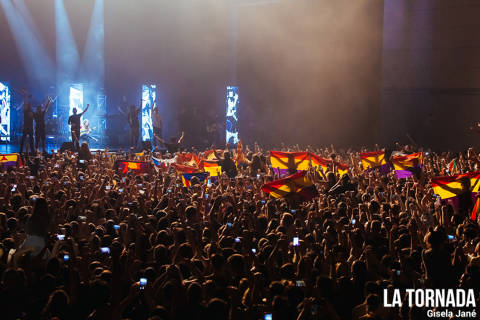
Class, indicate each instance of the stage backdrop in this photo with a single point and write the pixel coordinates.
(308, 71)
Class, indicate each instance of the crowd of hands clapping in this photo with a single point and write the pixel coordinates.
(80, 240)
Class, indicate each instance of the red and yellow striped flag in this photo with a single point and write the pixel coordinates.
(476, 209)
(287, 162)
(454, 182)
(297, 184)
(372, 159)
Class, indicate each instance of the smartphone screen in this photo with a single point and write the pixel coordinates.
(66, 257)
(237, 239)
(268, 316)
(105, 249)
(354, 221)
(300, 283)
(143, 283)
(206, 195)
(60, 237)
(116, 227)
(295, 241)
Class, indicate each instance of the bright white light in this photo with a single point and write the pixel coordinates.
(4, 112)
(149, 101)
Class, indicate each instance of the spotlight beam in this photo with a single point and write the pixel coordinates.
(37, 62)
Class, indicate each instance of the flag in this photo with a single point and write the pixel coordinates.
(209, 155)
(211, 166)
(187, 177)
(240, 157)
(284, 163)
(10, 160)
(322, 164)
(188, 159)
(374, 159)
(405, 165)
(124, 166)
(439, 183)
(476, 209)
(296, 184)
(452, 167)
(185, 169)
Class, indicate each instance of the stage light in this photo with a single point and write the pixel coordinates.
(76, 98)
(67, 53)
(93, 63)
(39, 66)
(149, 101)
(4, 112)
(231, 133)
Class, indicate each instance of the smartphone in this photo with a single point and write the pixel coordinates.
(31, 177)
(82, 218)
(268, 316)
(143, 283)
(105, 250)
(139, 185)
(258, 176)
(262, 202)
(142, 192)
(177, 185)
(237, 239)
(451, 237)
(292, 211)
(65, 183)
(354, 221)
(209, 183)
(81, 161)
(116, 227)
(300, 283)
(398, 272)
(82, 177)
(206, 195)
(66, 257)
(108, 187)
(61, 237)
(120, 190)
(295, 241)
(56, 165)
(169, 190)
(229, 224)
(123, 179)
(254, 250)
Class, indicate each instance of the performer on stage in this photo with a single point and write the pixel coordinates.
(39, 115)
(157, 124)
(174, 145)
(27, 122)
(85, 131)
(74, 122)
(132, 117)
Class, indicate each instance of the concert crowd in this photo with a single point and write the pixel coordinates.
(81, 240)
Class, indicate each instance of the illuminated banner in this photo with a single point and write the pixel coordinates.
(149, 100)
(231, 133)
(4, 112)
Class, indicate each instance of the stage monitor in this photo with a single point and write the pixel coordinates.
(4, 112)
(149, 101)
(231, 133)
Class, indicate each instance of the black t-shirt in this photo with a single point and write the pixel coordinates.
(172, 147)
(39, 120)
(28, 119)
(228, 166)
(74, 120)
